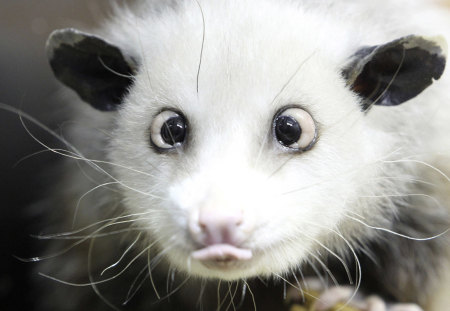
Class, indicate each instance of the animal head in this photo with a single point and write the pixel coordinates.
(246, 142)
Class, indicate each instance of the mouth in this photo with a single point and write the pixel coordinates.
(222, 256)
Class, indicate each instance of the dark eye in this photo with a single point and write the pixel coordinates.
(168, 130)
(294, 128)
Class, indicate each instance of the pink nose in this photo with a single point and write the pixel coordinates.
(219, 227)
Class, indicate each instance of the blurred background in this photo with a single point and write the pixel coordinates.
(26, 83)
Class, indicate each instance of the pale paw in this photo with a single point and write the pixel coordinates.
(319, 298)
(335, 297)
(404, 307)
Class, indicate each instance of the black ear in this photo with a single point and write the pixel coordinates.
(395, 72)
(97, 70)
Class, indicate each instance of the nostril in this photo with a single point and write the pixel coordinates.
(220, 227)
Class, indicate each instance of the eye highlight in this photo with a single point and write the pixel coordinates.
(168, 130)
(294, 128)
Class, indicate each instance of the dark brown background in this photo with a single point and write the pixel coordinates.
(27, 83)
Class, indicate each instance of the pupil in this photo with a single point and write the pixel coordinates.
(174, 130)
(287, 130)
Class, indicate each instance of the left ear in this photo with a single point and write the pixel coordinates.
(395, 72)
(100, 72)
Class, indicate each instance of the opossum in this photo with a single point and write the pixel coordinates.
(224, 151)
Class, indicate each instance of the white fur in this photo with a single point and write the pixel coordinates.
(247, 58)
(252, 48)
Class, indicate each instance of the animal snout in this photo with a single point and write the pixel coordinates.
(218, 227)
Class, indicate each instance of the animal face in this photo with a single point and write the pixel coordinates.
(247, 153)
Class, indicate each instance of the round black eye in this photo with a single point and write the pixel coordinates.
(168, 130)
(287, 130)
(294, 128)
(173, 130)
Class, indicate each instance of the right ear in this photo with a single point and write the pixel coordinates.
(98, 71)
(393, 73)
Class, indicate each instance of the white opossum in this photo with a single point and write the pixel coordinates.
(246, 139)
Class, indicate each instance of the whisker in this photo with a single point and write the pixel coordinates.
(170, 279)
(396, 233)
(262, 281)
(50, 236)
(281, 166)
(23, 159)
(350, 171)
(251, 294)
(101, 281)
(299, 286)
(150, 274)
(219, 303)
(295, 287)
(93, 284)
(101, 235)
(285, 85)
(123, 255)
(176, 289)
(201, 293)
(203, 43)
(392, 80)
(422, 163)
(65, 250)
(347, 270)
(232, 295)
(357, 262)
(243, 293)
(86, 194)
(324, 266)
(402, 196)
(297, 70)
(113, 71)
(79, 156)
(133, 291)
(317, 272)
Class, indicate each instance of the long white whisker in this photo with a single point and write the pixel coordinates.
(391, 81)
(327, 270)
(50, 236)
(202, 45)
(93, 284)
(347, 270)
(101, 281)
(48, 130)
(396, 233)
(219, 303)
(86, 194)
(150, 274)
(176, 289)
(302, 293)
(133, 291)
(232, 295)
(317, 272)
(65, 250)
(123, 255)
(102, 235)
(113, 71)
(422, 163)
(251, 294)
(357, 262)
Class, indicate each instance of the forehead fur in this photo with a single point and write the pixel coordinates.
(247, 58)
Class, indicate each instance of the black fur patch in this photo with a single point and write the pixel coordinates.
(393, 73)
(95, 69)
